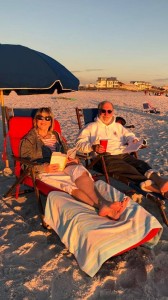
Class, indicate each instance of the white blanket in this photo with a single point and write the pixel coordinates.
(93, 239)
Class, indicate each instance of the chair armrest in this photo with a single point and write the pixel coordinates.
(26, 161)
(84, 156)
(143, 147)
(91, 155)
(93, 160)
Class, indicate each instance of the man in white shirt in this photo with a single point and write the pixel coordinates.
(120, 165)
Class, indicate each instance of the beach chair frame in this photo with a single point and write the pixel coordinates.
(148, 108)
(158, 199)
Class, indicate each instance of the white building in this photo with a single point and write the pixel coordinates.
(107, 83)
(142, 85)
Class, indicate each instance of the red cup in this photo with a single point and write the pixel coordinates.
(104, 144)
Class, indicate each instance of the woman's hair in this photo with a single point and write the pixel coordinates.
(48, 111)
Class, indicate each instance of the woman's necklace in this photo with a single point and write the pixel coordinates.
(43, 136)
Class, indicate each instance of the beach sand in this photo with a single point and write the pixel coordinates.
(34, 264)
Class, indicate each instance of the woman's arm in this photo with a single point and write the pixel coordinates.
(26, 149)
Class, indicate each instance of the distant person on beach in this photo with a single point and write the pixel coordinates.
(122, 166)
(39, 144)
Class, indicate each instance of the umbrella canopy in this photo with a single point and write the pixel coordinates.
(28, 71)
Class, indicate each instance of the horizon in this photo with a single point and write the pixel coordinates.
(94, 39)
(124, 83)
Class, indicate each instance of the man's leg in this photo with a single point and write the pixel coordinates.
(118, 168)
(158, 184)
(161, 182)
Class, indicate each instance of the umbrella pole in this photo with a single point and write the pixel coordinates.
(4, 127)
(3, 113)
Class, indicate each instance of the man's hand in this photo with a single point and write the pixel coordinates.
(98, 149)
(135, 141)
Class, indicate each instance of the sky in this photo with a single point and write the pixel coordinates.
(126, 39)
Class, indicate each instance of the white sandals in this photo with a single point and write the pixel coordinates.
(149, 186)
(150, 172)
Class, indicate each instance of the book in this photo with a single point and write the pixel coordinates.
(59, 158)
(62, 159)
(132, 147)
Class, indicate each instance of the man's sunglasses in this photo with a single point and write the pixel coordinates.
(103, 111)
(48, 118)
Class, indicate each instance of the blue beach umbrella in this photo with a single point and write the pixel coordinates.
(27, 72)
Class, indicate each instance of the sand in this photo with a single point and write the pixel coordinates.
(34, 264)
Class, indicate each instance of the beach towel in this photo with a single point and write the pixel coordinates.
(94, 239)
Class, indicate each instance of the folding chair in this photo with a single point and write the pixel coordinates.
(19, 127)
(19, 112)
(148, 108)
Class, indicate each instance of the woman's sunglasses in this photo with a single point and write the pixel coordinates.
(48, 118)
(103, 111)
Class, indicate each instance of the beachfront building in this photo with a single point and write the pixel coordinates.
(89, 86)
(129, 86)
(107, 83)
(142, 85)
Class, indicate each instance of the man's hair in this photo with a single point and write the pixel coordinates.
(100, 105)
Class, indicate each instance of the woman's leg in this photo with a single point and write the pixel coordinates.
(113, 210)
(84, 183)
(86, 193)
(85, 188)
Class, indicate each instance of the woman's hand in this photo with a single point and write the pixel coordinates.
(72, 160)
(51, 168)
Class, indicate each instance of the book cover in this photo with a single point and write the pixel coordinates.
(59, 158)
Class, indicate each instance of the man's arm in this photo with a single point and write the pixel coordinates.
(86, 140)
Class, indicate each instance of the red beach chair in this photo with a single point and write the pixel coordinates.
(18, 126)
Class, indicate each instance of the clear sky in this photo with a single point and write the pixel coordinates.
(127, 39)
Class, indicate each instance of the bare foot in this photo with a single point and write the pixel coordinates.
(113, 210)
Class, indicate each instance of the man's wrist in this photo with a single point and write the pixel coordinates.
(94, 148)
